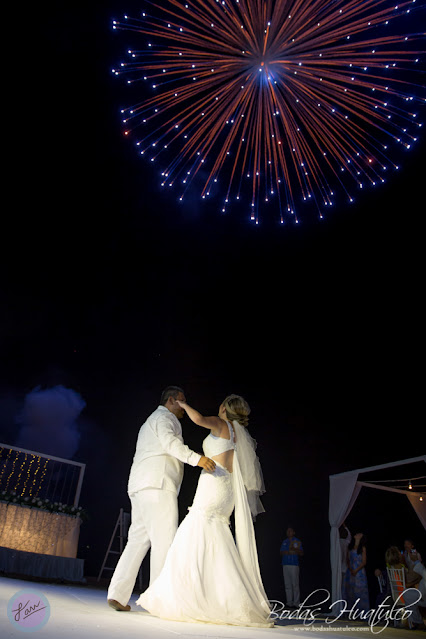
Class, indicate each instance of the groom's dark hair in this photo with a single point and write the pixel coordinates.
(170, 391)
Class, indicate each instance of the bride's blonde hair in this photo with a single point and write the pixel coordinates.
(237, 409)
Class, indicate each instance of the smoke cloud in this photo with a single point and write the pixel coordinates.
(48, 421)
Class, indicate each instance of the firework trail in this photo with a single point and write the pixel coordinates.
(260, 99)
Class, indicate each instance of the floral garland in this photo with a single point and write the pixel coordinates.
(44, 504)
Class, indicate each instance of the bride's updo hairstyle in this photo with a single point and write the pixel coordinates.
(237, 409)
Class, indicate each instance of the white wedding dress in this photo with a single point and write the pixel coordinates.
(207, 576)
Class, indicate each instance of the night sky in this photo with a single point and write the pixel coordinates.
(114, 289)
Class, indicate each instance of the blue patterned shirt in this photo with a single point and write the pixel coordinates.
(290, 560)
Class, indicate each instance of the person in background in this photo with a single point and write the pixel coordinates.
(412, 578)
(421, 570)
(410, 554)
(356, 586)
(291, 549)
(395, 559)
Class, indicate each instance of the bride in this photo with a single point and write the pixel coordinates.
(207, 576)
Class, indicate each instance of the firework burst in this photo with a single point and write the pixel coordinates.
(260, 99)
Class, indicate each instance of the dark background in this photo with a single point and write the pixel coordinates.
(111, 288)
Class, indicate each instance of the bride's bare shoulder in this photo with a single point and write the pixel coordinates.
(221, 429)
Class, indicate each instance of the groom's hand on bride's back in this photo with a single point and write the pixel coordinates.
(207, 463)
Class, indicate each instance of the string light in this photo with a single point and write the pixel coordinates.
(43, 473)
(13, 469)
(28, 475)
(20, 471)
(23, 476)
(35, 476)
(5, 463)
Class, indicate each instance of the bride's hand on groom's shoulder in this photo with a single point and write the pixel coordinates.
(207, 463)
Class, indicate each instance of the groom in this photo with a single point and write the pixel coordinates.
(154, 483)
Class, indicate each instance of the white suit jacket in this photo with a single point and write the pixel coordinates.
(160, 454)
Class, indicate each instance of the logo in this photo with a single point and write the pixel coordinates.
(28, 610)
(376, 619)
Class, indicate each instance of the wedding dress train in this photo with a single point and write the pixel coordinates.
(207, 576)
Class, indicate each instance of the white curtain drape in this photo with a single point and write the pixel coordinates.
(343, 493)
(419, 507)
(38, 531)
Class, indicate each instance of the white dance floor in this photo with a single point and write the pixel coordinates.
(82, 611)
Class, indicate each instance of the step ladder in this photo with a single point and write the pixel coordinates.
(120, 531)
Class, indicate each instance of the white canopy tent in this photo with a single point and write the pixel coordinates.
(344, 490)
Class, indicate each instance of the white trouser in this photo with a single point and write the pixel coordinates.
(291, 582)
(154, 524)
